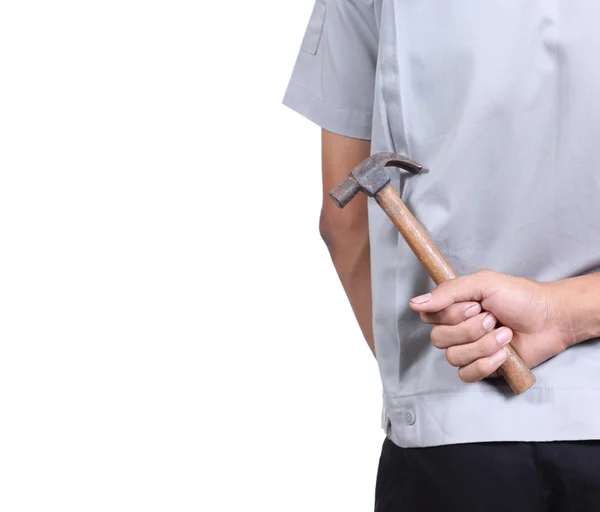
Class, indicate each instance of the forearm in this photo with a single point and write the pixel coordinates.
(346, 231)
(351, 257)
(577, 304)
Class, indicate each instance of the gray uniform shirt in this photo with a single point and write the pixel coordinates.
(500, 100)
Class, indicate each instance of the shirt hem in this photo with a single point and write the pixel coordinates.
(492, 415)
(349, 123)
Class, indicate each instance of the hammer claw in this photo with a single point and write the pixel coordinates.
(404, 163)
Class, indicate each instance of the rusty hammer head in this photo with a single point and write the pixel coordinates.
(371, 176)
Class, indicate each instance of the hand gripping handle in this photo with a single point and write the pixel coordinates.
(517, 374)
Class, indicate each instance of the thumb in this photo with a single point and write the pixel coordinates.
(462, 289)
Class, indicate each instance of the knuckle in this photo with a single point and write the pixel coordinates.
(465, 376)
(454, 316)
(451, 357)
(427, 318)
(489, 347)
(471, 332)
(436, 338)
(487, 276)
(442, 319)
(483, 368)
(443, 286)
(485, 347)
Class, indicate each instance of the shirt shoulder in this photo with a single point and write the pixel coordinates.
(333, 80)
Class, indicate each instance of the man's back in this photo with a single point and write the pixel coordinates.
(498, 100)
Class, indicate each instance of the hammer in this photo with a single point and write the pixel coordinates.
(371, 178)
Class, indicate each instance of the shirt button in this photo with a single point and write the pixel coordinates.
(409, 417)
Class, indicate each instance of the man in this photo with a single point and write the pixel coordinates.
(499, 101)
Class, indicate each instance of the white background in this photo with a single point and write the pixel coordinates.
(173, 336)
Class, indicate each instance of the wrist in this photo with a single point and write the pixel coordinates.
(575, 308)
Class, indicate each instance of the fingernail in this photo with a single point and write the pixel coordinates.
(504, 335)
(499, 357)
(489, 322)
(421, 299)
(472, 311)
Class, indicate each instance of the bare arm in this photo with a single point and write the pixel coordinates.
(346, 232)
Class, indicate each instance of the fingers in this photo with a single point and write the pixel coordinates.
(488, 345)
(474, 346)
(461, 328)
(482, 368)
(453, 315)
(473, 287)
(479, 359)
(466, 331)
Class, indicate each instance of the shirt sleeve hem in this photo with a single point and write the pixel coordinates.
(349, 123)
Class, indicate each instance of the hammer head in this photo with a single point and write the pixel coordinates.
(370, 176)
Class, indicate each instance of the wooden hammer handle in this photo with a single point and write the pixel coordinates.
(517, 374)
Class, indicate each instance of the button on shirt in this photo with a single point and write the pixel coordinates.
(500, 101)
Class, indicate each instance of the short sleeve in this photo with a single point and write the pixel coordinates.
(333, 80)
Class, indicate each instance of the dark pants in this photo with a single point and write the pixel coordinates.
(490, 477)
